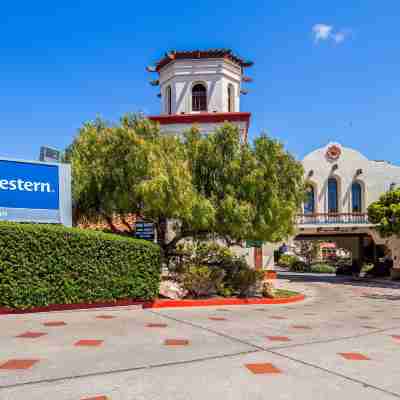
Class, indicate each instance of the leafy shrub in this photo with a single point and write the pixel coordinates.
(367, 267)
(210, 254)
(201, 280)
(322, 268)
(247, 281)
(300, 266)
(287, 260)
(47, 264)
(224, 291)
(205, 268)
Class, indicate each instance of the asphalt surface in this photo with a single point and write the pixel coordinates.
(342, 341)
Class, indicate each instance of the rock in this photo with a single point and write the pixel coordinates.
(268, 290)
(172, 290)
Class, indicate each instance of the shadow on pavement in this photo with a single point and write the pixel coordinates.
(339, 279)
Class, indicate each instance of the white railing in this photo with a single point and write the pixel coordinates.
(332, 219)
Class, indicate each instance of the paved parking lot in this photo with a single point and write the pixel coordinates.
(343, 341)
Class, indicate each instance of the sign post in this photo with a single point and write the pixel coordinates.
(32, 191)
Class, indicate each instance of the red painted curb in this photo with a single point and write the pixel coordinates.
(76, 306)
(155, 304)
(221, 302)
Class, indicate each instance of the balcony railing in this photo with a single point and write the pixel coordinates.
(332, 219)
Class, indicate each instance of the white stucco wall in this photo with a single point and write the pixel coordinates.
(375, 179)
(204, 128)
(215, 74)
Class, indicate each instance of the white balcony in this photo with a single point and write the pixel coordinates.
(333, 219)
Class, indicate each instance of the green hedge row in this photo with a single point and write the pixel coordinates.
(42, 265)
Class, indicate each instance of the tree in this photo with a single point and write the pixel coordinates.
(255, 190)
(131, 168)
(385, 213)
(210, 186)
(309, 250)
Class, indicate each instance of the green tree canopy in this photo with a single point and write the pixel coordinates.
(385, 213)
(209, 185)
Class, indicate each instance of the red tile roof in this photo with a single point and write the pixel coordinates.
(211, 53)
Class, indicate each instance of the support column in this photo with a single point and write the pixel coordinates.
(361, 250)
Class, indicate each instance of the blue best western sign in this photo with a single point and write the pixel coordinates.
(35, 192)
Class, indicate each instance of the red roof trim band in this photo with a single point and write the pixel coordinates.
(201, 118)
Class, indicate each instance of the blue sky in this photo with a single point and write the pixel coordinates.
(61, 65)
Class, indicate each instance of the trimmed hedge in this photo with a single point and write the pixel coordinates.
(42, 265)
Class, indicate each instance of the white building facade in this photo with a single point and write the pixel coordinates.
(341, 184)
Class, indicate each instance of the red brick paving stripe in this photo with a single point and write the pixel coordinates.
(89, 343)
(54, 323)
(265, 368)
(97, 398)
(397, 337)
(31, 335)
(152, 325)
(105, 316)
(301, 327)
(176, 342)
(217, 319)
(278, 338)
(18, 364)
(354, 356)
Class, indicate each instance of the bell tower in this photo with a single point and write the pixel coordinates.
(201, 87)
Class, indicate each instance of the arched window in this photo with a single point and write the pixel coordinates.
(309, 203)
(231, 98)
(333, 202)
(169, 100)
(199, 97)
(356, 197)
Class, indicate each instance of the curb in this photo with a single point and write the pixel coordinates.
(70, 307)
(155, 304)
(221, 302)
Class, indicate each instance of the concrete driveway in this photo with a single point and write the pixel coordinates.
(342, 342)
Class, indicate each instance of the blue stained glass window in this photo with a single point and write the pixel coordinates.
(356, 197)
(332, 195)
(309, 203)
